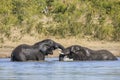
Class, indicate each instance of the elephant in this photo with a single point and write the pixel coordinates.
(36, 52)
(79, 53)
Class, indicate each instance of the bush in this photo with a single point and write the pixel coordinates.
(64, 18)
(105, 32)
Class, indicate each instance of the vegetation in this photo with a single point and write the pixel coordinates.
(99, 19)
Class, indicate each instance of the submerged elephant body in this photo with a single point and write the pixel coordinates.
(79, 53)
(35, 52)
(26, 52)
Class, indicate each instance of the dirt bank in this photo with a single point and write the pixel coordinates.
(114, 47)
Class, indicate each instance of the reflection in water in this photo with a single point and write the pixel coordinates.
(52, 69)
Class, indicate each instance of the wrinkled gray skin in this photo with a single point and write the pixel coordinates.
(26, 52)
(34, 52)
(79, 53)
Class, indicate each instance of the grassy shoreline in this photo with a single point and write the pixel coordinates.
(114, 47)
(26, 22)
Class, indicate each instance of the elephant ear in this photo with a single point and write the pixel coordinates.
(75, 48)
(72, 49)
(43, 48)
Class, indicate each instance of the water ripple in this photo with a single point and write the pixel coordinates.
(52, 69)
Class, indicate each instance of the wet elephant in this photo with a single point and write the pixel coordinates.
(35, 52)
(26, 52)
(79, 53)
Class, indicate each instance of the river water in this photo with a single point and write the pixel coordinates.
(52, 69)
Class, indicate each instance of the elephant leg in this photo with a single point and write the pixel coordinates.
(18, 57)
(40, 57)
(21, 57)
(61, 57)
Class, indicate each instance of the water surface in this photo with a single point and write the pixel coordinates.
(52, 69)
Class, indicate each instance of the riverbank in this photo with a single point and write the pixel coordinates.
(114, 47)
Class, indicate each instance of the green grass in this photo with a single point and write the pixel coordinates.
(99, 19)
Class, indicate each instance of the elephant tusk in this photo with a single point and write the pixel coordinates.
(59, 49)
(87, 52)
(68, 59)
(62, 53)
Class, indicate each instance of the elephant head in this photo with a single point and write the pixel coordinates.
(74, 52)
(47, 46)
